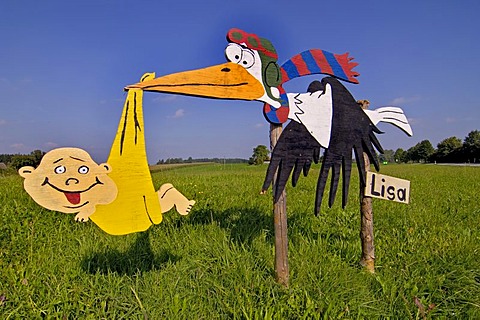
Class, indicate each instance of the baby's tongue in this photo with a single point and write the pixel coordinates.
(73, 197)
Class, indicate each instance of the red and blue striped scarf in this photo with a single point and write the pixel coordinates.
(314, 61)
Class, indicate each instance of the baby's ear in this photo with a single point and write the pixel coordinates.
(106, 167)
(26, 171)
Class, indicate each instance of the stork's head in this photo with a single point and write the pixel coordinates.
(264, 67)
(251, 73)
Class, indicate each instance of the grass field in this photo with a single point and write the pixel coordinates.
(218, 262)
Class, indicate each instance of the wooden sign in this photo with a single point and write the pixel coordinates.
(387, 188)
(119, 195)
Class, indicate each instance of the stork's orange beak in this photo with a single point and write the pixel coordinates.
(224, 81)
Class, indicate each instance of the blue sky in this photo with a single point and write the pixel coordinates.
(63, 66)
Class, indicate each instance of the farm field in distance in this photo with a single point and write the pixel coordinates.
(218, 262)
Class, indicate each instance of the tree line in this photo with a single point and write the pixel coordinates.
(17, 161)
(191, 160)
(449, 150)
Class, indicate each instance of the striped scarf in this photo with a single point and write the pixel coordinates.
(314, 61)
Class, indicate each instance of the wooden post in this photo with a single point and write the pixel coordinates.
(280, 221)
(366, 210)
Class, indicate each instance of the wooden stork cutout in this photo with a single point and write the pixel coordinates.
(119, 195)
(326, 116)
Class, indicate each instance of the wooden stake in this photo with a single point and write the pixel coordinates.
(366, 210)
(280, 221)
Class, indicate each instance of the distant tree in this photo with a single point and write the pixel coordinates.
(421, 152)
(260, 155)
(37, 156)
(471, 146)
(400, 155)
(410, 154)
(6, 158)
(22, 160)
(173, 160)
(448, 146)
(448, 150)
(388, 156)
(33, 159)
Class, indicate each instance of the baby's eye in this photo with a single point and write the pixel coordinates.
(83, 170)
(60, 170)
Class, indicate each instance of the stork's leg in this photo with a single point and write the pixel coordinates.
(169, 197)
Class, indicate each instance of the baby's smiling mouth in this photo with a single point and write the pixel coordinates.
(72, 196)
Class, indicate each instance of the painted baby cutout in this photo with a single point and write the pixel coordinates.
(68, 180)
(118, 196)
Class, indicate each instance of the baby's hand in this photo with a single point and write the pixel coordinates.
(82, 217)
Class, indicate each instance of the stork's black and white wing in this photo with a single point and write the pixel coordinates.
(351, 129)
(295, 151)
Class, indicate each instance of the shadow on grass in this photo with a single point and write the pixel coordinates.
(243, 224)
(139, 258)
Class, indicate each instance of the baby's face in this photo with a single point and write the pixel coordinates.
(68, 180)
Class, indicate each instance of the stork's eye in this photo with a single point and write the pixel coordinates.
(83, 170)
(233, 52)
(248, 59)
(239, 55)
(60, 170)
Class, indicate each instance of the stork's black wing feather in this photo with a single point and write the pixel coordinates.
(351, 129)
(296, 148)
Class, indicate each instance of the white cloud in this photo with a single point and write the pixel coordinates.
(165, 98)
(18, 146)
(5, 83)
(399, 100)
(259, 125)
(404, 100)
(51, 145)
(26, 80)
(3, 122)
(414, 121)
(178, 114)
(15, 84)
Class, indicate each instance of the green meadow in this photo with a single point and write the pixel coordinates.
(218, 262)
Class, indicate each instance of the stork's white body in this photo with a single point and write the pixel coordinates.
(314, 111)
